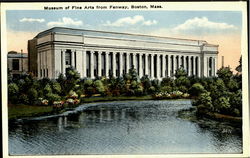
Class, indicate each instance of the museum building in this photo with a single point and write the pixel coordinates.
(104, 54)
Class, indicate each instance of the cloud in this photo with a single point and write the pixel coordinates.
(202, 25)
(31, 20)
(65, 21)
(129, 21)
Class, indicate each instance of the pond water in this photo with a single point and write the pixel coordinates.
(124, 127)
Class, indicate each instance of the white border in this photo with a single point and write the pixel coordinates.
(198, 6)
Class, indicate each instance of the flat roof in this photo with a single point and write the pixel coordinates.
(128, 36)
(17, 55)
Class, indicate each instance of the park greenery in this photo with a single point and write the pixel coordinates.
(221, 94)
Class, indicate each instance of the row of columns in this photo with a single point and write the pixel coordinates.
(166, 64)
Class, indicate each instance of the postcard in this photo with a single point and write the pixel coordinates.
(127, 79)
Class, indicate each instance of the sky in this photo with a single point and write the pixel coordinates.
(216, 27)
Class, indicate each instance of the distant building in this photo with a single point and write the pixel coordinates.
(32, 56)
(17, 63)
(100, 53)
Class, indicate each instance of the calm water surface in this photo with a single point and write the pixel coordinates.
(126, 127)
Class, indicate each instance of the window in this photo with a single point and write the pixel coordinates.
(15, 65)
(68, 57)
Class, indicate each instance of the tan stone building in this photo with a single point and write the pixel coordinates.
(17, 63)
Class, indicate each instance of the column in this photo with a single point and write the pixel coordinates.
(152, 66)
(198, 67)
(79, 62)
(39, 64)
(121, 63)
(146, 64)
(63, 62)
(99, 65)
(184, 64)
(178, 63)
(208, 67)
(107, 64)
(84, 63)
(114, 64)
(140, 65)
(158, 66)
(215, 66)
(189, 65)
(127, 62)
(163, 65)
(73, 59)
(91, 69)
(169, 66)
(174, 64)
(194, 63)
(134, 55)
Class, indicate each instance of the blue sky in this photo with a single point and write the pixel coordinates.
(216, 27)
(130, 21)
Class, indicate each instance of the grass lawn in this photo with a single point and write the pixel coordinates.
(17, 111)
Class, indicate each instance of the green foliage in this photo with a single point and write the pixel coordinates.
(221, 94)
(196, 89)
(239, 67)
(47, 89)
(156, 83)
(99, 86)
(146, 84)
(180, 73)
(23, 98)
(52, 97)
(133, 74)
(166, 89)
(182, 81)
(232, 85)
(13, 89)
(32, 95)
(56, 87)
(222, 105)
(167, 82)
(225, 74)
(205, 100)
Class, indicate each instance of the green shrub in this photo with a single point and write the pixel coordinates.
(166, 89)
(13, 89)
(56, 87)
(32, 95)
(99, 86)
(222, 105)
(53, 97)
(196, 89)
(47, 89)
(23, 98)
(205, 100)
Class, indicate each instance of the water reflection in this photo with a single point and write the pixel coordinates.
(145, 127)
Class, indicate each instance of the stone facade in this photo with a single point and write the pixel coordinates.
(17, 63)
(99, 53)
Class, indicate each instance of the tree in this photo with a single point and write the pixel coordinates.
(180, 73)
(145, 81)
(225, 74)
(72, 80)
(99, 86)
(239, 67)
(32, 95)
(133, 74)
(196, 89)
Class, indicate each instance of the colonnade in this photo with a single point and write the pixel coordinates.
(155, 65)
